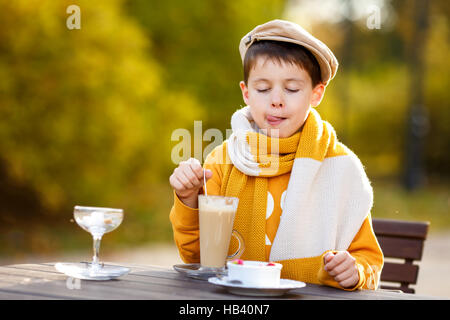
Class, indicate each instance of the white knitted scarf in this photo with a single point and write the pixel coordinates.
(328, 197)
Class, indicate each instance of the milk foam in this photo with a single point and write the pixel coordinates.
(212, 204)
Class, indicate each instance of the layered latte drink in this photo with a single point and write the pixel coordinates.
(216, 218)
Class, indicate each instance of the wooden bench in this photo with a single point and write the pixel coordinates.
(403, 240)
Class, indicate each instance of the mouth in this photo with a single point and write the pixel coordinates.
(274, 121)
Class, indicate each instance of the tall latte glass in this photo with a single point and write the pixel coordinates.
(216, 215)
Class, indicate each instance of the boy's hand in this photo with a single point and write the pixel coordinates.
(187, 179)
(342, 267)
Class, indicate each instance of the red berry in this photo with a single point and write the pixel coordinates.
(271, 264)
(238, 261)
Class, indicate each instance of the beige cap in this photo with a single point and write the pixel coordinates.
(286, 31)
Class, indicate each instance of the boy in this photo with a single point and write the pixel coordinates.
(304, 203)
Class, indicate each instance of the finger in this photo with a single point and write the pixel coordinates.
(350, 282)
(327, 257)
(344, 265)
(337, 259)
(184, 180)
(208, 174)
(173, 177)
(193, 161)
(196, 169)
(174, 183)
(192, 177)
(194, 166)
(345, 274)
(183, 163)
(179, 183)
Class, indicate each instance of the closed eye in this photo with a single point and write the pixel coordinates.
(292, 90)
(262, 90)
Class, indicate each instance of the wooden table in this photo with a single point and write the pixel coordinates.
(43, 281)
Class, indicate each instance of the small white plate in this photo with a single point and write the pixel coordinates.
(195, 270)
(82, 271)
(241, 289)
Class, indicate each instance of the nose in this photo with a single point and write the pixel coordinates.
(277, 99)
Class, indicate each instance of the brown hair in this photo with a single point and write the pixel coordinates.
(282, 52)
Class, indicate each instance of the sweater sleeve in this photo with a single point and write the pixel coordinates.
(184, 219)
(369, 259)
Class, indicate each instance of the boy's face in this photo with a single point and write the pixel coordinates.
(280, 96)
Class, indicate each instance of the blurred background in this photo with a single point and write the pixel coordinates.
(86, 115)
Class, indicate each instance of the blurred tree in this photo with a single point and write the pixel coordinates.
(86, 115)
(83, 112)
(437, 93)
(197, 42)
(377, 81)
(417, 120)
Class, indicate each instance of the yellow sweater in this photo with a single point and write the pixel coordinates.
(364, 246)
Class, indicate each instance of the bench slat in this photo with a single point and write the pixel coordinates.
(389, 227)
(402, 289)
(394, 272)
(404, 248)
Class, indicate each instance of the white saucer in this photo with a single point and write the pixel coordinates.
(241, 289)
(195, 270)
(82, 271)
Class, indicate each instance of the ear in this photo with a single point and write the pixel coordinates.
(244, 90)
(317, 94)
